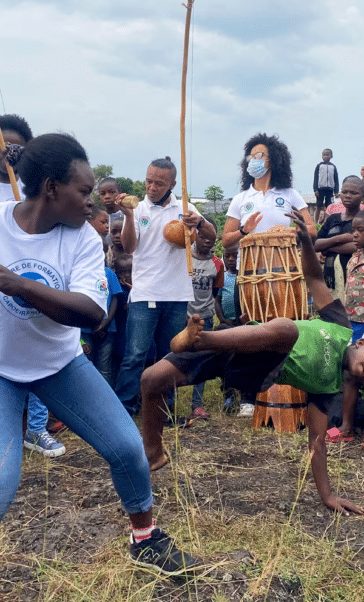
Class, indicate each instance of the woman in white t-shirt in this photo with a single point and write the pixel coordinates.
(267, 193)
(52, 282)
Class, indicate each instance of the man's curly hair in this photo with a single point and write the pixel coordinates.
(280, 162)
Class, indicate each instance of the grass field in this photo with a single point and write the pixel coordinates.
(241, 499)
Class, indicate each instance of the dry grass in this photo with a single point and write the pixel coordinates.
(291, 545)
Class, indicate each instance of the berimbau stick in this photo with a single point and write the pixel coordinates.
(10, 171)
(183, 133)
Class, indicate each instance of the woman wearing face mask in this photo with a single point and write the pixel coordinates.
(267, 195)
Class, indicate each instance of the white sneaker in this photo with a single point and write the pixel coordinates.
(246, 410)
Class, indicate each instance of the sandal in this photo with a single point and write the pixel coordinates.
(333, 435)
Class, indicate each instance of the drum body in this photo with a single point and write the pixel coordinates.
(271, 283)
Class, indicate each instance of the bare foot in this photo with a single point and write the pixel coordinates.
(187, 339)
(158, 461)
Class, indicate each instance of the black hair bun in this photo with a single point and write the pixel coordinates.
(168, 158)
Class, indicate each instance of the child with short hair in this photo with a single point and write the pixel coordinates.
(116, 248)
(207, 279)
(100, 220)
(109, 190)
(225, 307)
(325, 182)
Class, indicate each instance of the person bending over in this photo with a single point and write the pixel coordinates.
(310, 355)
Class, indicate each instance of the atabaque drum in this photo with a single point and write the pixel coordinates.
(270, 279)
(271, 285)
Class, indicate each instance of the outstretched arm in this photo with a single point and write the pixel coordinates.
(310, 265)
(317, 424)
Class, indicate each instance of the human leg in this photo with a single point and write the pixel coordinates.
(12, 405)
(198, 390)
(278, 335)
(81, 397)
(141, 323)
(155, 383)
(37, 415)
(103, 356)
(83, 400)
(172, 320)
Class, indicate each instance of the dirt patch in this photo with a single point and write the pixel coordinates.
(67, 510)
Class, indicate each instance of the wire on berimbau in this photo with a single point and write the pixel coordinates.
(191, 84)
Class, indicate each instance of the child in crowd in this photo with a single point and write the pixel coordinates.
(325, 182)
(354, 304)
(122, 268)
(207, 279)
(100, 221)
(253, 357)
(116, 248)
(225, 306)
(16, 130)
(108, 190)
(335, 238)
(100, 341)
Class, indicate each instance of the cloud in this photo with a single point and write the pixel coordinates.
(111, 73)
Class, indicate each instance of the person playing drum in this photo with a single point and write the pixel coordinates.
(267, 194)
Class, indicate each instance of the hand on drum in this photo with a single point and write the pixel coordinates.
(252, 221)
(297, 217)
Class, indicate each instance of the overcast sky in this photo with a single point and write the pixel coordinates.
(110, 73)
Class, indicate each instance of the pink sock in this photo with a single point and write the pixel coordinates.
(141, 534)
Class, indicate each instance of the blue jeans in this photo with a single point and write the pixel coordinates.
(198, 390)
(37, 415)
(101, 353)
(162, 322)
(81, 398)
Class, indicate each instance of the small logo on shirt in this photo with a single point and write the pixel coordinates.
(249, 206)
(180, 216)
(34, 270)
(280, 202)
(101, 287)
(144, 221)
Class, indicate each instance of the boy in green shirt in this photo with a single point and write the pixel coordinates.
(311, 355)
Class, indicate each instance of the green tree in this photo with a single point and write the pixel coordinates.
(214, 194)
(125, 185)
(139, 189)
(102, 171)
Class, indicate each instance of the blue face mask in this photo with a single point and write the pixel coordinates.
(256, 168)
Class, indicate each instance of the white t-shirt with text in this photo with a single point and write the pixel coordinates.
(32, 345)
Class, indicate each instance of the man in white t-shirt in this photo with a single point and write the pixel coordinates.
(161, 284)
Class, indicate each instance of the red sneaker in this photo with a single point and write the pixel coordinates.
(200, 413)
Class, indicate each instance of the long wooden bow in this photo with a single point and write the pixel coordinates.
(10, 171)
(183, 133)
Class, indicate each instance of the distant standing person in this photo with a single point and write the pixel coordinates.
(325, 182)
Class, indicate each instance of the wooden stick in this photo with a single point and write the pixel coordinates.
(183, 134)
(10, 171)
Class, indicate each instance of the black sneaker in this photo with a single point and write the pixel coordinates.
(159, 552)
